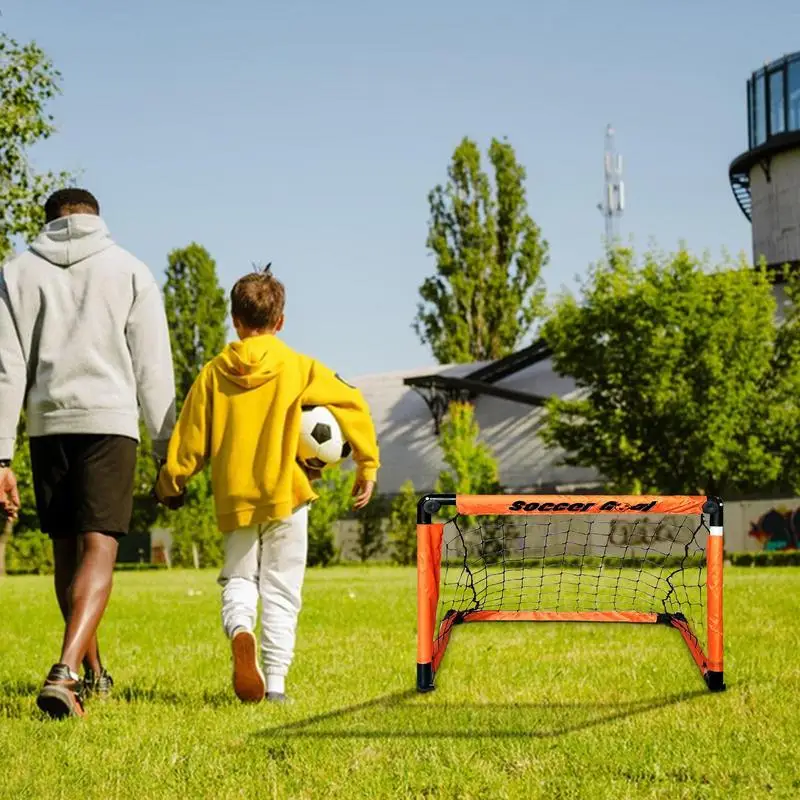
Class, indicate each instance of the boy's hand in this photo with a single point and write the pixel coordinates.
(362, 491)
(172, 503)
(9, 494)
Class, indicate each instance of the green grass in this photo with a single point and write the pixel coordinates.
(534, 711)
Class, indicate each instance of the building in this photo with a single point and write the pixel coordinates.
(765, 178)
(508, 396)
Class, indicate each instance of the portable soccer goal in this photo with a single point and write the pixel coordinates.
(573, 558)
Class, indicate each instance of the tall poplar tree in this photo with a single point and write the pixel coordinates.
(486, 293)
(196, 311)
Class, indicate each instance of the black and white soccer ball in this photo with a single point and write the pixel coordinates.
(322, 443)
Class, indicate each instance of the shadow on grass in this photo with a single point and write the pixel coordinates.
(412, 718)
(20, 688)
(137, 694)
(16, 699)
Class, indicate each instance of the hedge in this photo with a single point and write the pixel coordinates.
(766, 558)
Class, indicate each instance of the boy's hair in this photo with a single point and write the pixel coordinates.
(257, 300)
(64, 202)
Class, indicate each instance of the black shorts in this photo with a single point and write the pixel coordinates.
(83, 483)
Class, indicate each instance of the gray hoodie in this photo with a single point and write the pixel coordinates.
(83, 336)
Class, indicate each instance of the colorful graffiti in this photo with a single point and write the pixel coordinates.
(777, 529)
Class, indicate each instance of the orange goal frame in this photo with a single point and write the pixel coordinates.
(431, 643)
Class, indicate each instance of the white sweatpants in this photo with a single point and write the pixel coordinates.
(268, 561)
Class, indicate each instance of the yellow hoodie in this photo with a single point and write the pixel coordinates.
(243, 414)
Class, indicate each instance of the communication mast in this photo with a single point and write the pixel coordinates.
(614, 195)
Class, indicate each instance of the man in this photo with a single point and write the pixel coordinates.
(83, 337)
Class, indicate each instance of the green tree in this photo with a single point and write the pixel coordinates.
(371, 535)
(146, 511)
(335, 493)
(472, 468)
(486, 294)
(28, 81)
(687, 382)
(196, 311)
(194, 527)
(402, 528)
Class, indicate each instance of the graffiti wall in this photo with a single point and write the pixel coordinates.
(763, 525)
(777, 528)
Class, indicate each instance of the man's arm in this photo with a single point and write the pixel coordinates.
(347, 404)
(190, 445)
(13, 375)
(148, 341)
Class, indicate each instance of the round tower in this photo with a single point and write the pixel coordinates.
(766, 178)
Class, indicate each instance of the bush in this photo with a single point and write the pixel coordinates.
(371, 536)
(139, 567)
(195, 526)
(29, 553)
(402, 529)
(334, 490)
(766, 558)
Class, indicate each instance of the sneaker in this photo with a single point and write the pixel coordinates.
(248, 679)
(95, 685)
(62, 694)
(278, 697)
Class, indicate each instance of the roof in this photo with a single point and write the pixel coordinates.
(410, 449)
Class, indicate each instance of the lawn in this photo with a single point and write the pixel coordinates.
(521, 710)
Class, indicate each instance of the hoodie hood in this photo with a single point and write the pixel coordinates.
(69, 240)
(252, 362)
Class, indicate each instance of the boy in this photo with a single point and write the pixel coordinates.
(243, 414)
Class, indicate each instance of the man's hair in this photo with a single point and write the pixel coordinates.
(257, 300)
(70, 201)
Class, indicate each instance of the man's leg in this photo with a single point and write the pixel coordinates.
(239, 581)
(283, 565)
(65, 555)
(89, 478)
(88, 597)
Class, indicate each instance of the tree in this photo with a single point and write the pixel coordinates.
(146, 511)
(472, 466)
(486, 293)
(371, 535)
(196, 311)
(334, 489)
(687, 382)
(28, 81)
(402, 528)
(194, 527)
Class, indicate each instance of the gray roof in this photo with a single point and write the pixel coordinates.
(409, 446)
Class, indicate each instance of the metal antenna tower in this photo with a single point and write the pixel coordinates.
(614, 195)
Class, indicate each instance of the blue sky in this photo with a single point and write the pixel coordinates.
(309, 133)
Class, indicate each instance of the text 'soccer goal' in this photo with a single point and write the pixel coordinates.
(556, 558)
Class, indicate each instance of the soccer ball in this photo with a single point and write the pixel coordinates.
(321, 441)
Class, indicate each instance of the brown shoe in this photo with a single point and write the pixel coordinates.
(62, 694)
(248, 679)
